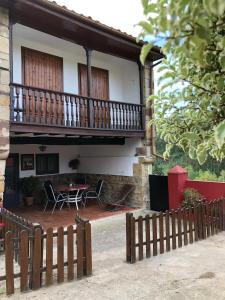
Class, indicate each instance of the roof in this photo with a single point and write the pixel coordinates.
(89, 18)
(67, 24)
(123, 34)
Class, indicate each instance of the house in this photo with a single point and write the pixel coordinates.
(71, 88)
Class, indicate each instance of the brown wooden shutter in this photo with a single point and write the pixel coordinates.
(44, 71)
(100, 90)
(100, 82)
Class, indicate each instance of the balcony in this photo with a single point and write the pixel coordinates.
(38, 111)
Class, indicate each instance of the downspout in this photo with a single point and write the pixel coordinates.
(151, 112)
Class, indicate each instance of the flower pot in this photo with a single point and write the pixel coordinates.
(29, 200)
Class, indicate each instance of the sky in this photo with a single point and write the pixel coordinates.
(120, 14)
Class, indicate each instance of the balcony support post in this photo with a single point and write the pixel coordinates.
(90, 109)
(142, 100)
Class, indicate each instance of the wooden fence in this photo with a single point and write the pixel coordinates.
(16, 224)
(164, 232)
(52, 254)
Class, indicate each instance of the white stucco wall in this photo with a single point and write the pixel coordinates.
(123, 74)
(99, 159)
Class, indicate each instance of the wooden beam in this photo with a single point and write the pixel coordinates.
(66, 141)
(29, 128)
(88, 63)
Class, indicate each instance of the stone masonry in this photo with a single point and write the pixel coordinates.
(4, 95)
(143, 168)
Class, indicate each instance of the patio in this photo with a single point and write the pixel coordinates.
(66, 216)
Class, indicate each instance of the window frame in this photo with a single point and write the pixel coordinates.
(46, 171)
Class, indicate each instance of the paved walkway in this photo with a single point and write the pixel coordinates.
(193, 272)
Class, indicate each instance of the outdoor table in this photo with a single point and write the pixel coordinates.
(65, 188)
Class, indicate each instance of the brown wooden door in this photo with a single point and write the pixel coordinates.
(44, 71)
(100, 90)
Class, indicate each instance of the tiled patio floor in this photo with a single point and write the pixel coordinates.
(65, 216)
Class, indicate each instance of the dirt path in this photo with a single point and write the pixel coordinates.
(193, 272)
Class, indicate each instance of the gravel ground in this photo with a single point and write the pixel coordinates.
(193, 272)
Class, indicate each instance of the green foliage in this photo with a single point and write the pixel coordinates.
(211, 170)
(28, 185)
(192, 198)
(190, 106)
(206, 176)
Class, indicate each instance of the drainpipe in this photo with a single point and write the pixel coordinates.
(150, 109)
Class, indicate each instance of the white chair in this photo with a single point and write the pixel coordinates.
(75, 197)
(54, 197)
(94, 194)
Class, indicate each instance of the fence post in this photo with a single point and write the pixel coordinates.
(9, 263)
(35, 226)
(133, 239)
(36, 259)
(128, 237)
(84, 249)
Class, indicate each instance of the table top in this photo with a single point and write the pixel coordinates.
(70, 188)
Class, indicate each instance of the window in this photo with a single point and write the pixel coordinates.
(47, 163)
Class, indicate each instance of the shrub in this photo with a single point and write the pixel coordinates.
(28, 185)
(222, 176)
(192, 198)
(206, 176)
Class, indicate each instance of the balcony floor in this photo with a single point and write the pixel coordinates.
(19, 128)
(66, 216)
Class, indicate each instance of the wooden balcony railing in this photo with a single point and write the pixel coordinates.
(37, 106)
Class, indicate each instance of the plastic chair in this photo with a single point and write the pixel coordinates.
(94, 194)
(54, 197)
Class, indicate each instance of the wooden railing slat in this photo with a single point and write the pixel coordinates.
(88, 248)
(161, 233)
(70, 253)
(173, 219)
(80, 241)
(36, 273)
(154, 234)
(128, 237)
(147, 236)
(167, 232)
(60, 255)
(185, 226)
(179, 218)
(49, 256)
(9, 268)
(140, 238)
(24, 260)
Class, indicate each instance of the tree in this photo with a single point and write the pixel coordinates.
(190, 106)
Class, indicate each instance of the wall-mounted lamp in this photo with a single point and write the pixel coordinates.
(42, 148)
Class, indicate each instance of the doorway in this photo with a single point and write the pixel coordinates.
(11, 194)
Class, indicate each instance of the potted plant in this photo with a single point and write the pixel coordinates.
(74, 163)
(27, 186)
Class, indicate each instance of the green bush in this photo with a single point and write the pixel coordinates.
(222, 176)
(206, 176)
(192, 198)
(28, 185)
(211, 170)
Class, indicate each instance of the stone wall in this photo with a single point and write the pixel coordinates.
(112, 185)
(4, 94)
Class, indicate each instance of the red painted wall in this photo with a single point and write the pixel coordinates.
(209, 189)
(178, 181)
